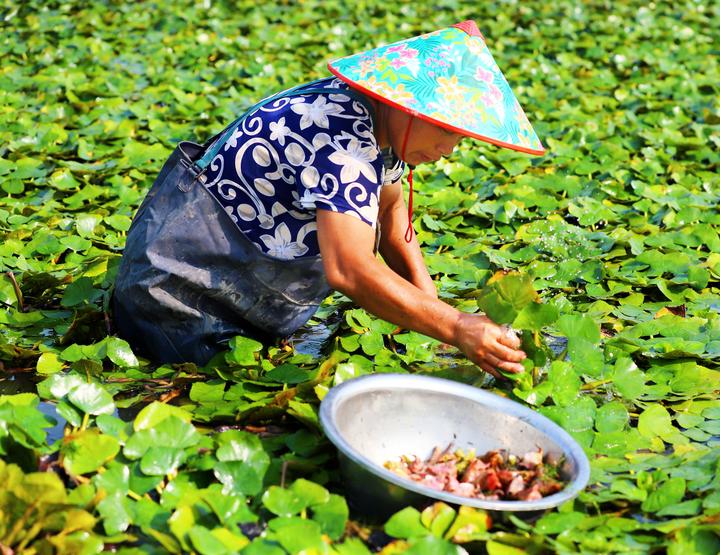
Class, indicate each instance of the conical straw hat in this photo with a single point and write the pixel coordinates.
(448, 78)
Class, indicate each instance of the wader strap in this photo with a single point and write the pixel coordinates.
(378, 236)
(222, 138)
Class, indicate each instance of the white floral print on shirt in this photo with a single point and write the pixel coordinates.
(297, 155)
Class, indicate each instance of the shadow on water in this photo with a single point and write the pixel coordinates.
(312, 339)
(556, 344)
(24, 383)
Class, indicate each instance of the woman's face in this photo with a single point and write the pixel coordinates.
(427, 142)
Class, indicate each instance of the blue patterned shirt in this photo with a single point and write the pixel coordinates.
(294, 156)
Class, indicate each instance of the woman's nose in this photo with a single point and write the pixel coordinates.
(446, 150)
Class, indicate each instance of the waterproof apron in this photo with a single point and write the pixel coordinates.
(190, 280)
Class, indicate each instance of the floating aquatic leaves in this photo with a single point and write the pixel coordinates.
(36, 510)
(617, 227)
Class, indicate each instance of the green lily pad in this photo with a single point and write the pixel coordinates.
(289, 374)
(243, 351)
(91, 398)
(116, 512)
(161, 461)
(405, 524)
(332, 515)
(171, 433)
(154, 413)
(81, 291)
(48, 363)
(120, 352)
(611, 417)
(87, 450)
(438, 518)
(505, 296)
(431, 545)
(282, 502)
(667, 494)
(296, 534)
(243, 462)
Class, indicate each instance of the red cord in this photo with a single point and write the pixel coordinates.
(409, 230)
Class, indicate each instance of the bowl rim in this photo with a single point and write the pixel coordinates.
(391, 381)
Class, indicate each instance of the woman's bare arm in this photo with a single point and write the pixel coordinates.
(404, 258)
(346, 245)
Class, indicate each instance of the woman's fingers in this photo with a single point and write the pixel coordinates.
(491, 370)
(492, 347)
(506, 353)
(512, 367)
(509, 338)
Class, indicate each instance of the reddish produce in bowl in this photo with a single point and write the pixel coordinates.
(496, 475)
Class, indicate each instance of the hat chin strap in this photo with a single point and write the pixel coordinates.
(409, 231)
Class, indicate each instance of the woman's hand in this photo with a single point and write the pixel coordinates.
(488, 345)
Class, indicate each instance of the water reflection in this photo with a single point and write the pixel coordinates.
(311, 339)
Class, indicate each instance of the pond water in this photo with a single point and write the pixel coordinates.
(312, 340)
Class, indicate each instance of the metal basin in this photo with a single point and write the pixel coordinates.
(376, 418)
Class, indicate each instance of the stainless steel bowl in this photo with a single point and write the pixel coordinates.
(377, 418)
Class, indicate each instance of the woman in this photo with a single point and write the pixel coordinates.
(247, 234)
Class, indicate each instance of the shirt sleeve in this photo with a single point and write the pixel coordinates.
(343, 171)
(394, 167)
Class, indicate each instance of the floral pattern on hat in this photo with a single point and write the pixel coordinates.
(448, 77)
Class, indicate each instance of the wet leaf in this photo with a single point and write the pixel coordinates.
(120, 352)
(207, 392)
(405, 524)
(282, 502)
(332, 515)
(171, 433)
(693, 541)
(348, 370)
(437, 518)
(535, 316)
(91, 398)
(48, 363)
(116, 513)
(243, 351)
(554, 523)
(666, 495)
(505, 296)
(469, 525)
(296, 534)
(81, 291)
(564, 381)
(58, 386)
(495, 548)
(611, 417)
(181, 522)
(161, 461)
(243, 462)
(289, 374)
(138, 154)
(656, 421)
(628, 379)
(155, 412)
(310, 493)
(87, 450)
(431, 545)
